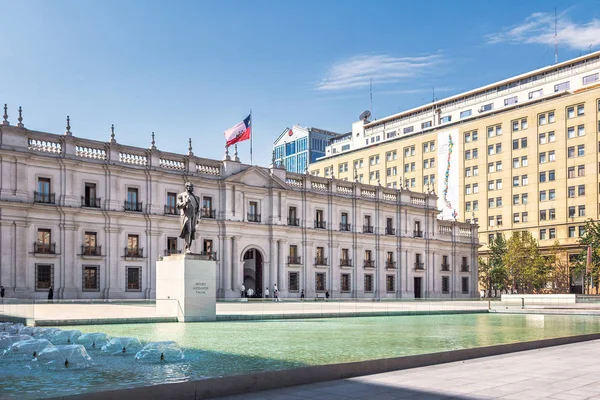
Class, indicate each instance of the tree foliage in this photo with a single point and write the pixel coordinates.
(590, 237)
(492, 272)
(528, 271)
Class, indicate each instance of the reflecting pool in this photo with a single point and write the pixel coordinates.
(227, 348)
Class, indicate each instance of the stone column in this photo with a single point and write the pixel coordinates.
(22, 248)
(7, 239)
(237, 266)
(271, 277)
(69, 269)
(282, 279)
(225, 265)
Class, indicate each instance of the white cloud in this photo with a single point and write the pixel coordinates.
(538, 28)
(357, 71)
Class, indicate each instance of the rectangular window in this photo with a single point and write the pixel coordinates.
(515, 181)
(345, 282)
(580, 110)
(44, 242)
(580, 150)
(542, 158)
(465, 114)
(320, 282)
(515, 144)
(581, 130)
(91, 278)
(524, 217)
(581, 211)
(572, 212)
(524, 198)
(44, 276)
(571, 112)
(476, 205)
(426, 124)
(89, 244)
(571, 132)
(552, 233)
(464, 284)
(571, 231)
(571, 192)
(581, 190)
(390, 284)
(171, 246)
(523, 143)
(581, 231)
(552, 194)
(487, 107)
(446, 119)
(551, 175)
(368, 283)
(133, 245)
(524, 180)
(551, 117)
(542, 177)
(134, 279)
(551, 156)
(408, 129)
(511, 101)
(552, 214)
(581, 170)
(543, 215)
(542, 138)
(445, 284)
(542, 234)
(90, 199)
(561, 87)
(590, 78)
(571, 172)
(535, 94)
(551, 137)
(293, 281)
(516, 218)
(542, 119)
(571, 152)
(170, 207)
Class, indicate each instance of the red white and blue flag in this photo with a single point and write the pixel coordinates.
(239, 132)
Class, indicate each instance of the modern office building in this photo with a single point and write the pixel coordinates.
(91, 218)
(520, 154)
(297, 147)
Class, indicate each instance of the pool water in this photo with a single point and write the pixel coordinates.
(229, 348)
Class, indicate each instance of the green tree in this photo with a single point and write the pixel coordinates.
(492, 271)
(559, 275)
(590, 237)
(527, 269)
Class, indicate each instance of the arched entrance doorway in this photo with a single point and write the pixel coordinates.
(253, 272)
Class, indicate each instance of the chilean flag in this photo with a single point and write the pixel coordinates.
(239, 133)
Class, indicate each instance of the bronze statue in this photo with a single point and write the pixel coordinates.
(189, 205)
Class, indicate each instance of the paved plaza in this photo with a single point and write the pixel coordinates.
(568, 372)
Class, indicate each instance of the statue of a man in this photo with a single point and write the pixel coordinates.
(189, 205)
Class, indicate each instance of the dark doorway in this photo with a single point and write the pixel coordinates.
(253, 272)
(418, 287)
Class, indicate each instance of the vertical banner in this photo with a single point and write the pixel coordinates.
(447, 180)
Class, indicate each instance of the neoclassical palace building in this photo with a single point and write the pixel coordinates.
(91, 218)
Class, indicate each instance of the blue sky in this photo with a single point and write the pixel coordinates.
(193, 69)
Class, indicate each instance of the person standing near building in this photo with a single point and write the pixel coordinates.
(2, 292)
(50, 294)
(243, 290)
(326, 295)
(266, 293)
(302, 295)
(275, 292)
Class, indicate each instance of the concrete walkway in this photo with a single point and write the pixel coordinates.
(568, 372)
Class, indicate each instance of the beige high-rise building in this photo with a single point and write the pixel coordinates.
(516, 155)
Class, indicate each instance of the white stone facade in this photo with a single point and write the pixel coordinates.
(63, 222)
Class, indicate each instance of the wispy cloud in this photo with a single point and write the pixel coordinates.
(539, 28)
(428, 90)
(357, 71)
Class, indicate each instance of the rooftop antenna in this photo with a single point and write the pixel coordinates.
(371, 95)
(555, 37)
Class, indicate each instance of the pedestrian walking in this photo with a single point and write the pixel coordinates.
(302, 295)
(243, 289)
(50, 294)
(266, 293)
(2, 292)
(250, 292)
(275, 292)
(326, 295)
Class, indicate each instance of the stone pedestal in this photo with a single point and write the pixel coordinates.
(192, 280)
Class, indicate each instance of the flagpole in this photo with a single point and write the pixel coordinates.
(251, 134)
